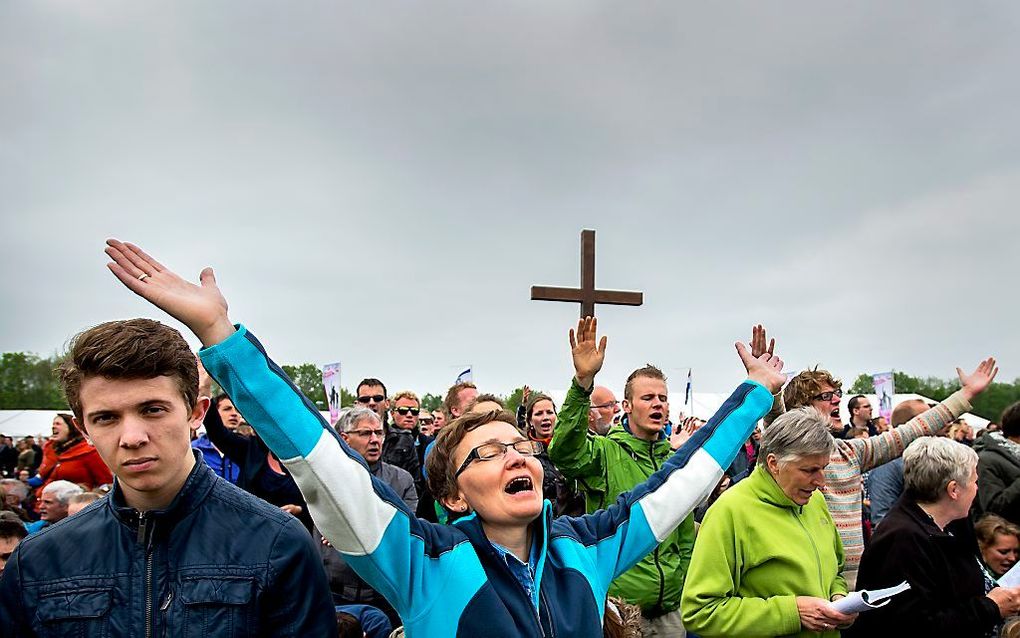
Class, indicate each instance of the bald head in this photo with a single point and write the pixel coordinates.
(907, 410)
(603, 409)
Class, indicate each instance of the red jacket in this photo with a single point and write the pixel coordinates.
(79, 463)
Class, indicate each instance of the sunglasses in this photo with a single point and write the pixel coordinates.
(404, 411)
(377, 398)
(827, 396)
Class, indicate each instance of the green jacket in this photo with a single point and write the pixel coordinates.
(605, 467)
(756, 552)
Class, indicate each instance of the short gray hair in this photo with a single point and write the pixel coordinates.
(931, 462)
(16, 487)
(798, 433)
(63, 490)
(354, 416)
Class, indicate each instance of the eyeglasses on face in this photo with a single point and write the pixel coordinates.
(611, 404)
(827, 396)
(367, 434)
(404, 411)
(496, 450)
(374, 398)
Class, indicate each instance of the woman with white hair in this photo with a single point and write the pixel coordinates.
(768, 560)
(927, 539)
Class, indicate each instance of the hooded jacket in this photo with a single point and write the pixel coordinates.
(608, 466)
(216, 562)
(999, 478)
(757, 551)
(449, 580)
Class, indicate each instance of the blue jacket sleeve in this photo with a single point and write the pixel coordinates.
(359, 514)
(620, 536)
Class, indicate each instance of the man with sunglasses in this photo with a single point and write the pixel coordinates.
(853, 457)
(371, 393)
(405, 444)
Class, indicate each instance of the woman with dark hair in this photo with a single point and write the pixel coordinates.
(540, 416)
(999, 469)
(68, 456)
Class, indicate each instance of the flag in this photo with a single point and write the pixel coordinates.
(464, 376)
(331, 383)
(688, 395)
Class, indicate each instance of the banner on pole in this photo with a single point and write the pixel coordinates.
(331, 383)
(885, 389)
(465, 375)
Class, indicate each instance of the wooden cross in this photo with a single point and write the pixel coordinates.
(587, 295)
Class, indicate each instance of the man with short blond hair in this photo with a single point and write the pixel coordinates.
(405, 445)
(457, 399)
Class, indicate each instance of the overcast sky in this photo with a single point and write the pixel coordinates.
(381, 183)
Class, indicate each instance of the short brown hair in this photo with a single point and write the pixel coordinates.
(484, 398)
(533, 401)
(130, 349)
(440, 465)
(649, 371)
(802, 388)
(451, 396)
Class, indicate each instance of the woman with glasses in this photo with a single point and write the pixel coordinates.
(507, 568)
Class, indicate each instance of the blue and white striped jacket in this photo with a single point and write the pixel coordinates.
(448, 580)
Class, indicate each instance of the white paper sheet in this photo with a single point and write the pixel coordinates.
(1011, 578)
(858, 601)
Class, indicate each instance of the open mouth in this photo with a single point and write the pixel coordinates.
(518, 485)
(835, 413)
(655, 416)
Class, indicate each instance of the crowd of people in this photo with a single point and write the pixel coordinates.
(155, 506)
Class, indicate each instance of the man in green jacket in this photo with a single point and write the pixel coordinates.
(607, 466)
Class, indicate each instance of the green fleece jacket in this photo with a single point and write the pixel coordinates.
(756, 552)
(607, 466)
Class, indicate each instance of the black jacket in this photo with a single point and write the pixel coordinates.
(947, 591)
(216, 562)
(250, 454)
(998, 481)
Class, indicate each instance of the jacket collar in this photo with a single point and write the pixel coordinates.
(765, 488)
(195, 489)
(622, 434)
(471, 525)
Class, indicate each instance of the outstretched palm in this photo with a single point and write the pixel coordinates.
(766, 369)
(978, 381)
(202, 308)
(588, 354)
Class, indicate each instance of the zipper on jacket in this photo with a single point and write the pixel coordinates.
(655, 554)
(818, 557)
(145, 538)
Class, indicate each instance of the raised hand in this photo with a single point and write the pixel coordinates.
(201, 308)
(525, 395)
(588, 356)
(766, 369)
(681, 434)
(758, 342)
(978, 381)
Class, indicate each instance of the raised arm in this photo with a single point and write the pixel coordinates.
(571, 450)
(877, 450)
(360, 515)
(760, 344)
(656, 507)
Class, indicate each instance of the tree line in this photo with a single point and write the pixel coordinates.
(28, 382)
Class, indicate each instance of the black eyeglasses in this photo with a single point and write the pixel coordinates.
(404, 411)
(378, 398)
(827, 396)
(496, 450)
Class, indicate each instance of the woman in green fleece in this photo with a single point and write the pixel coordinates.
(768, 560)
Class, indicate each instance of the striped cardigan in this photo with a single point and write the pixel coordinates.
(853, 457)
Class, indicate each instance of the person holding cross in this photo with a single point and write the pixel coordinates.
(506, 568)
